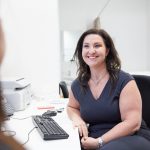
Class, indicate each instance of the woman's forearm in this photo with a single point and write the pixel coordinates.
(122, 129)
(73, 113)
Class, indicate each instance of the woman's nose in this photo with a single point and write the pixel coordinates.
(92, 50)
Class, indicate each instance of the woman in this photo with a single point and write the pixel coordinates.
(104, 101)
(6, 142)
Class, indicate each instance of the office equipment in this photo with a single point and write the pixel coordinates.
(45, 107)
(17, 92)
(60, 110)
(35, 141)
(8, 109)
(143, 83)
(48, 128)
(49, 113)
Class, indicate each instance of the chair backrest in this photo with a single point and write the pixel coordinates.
(143, 83)
(63, 88)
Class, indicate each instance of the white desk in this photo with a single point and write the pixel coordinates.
(23, 127)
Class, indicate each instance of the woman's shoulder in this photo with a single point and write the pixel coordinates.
(123, 75)
(75, 83)
(124, 78)
(76, 88)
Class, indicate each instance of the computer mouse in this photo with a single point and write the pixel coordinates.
(50, 113)
(60, 110)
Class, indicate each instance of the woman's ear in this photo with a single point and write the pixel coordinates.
(107, 51)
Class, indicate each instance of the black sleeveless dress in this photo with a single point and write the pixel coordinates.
(103, 114)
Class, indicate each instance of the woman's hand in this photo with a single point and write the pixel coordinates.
(82, 127)
(89, 143)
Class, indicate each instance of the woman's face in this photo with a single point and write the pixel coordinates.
(94, 50)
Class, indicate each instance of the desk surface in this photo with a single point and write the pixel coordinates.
(23, 127)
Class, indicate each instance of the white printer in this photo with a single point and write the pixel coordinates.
(17, 92)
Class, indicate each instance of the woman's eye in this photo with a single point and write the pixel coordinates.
(97, 45)
(86, 46)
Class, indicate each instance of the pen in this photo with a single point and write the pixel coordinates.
(47, 107)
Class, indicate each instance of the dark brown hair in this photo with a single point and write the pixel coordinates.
(113, 63)
(1, 55)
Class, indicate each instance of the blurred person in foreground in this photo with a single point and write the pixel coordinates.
(6, 142)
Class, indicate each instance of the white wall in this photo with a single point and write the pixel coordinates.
(32, 35)
(148, 33)
(128, 26)
(125, 20)
(32, 40)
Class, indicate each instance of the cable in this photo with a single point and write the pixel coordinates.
(28, 136)
(104, 7)
(13, 133)
(96, 22)
(21, 118)
(9, 132)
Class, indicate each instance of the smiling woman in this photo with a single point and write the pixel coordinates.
(105, 97)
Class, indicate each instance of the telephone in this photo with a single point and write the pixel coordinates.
(17, 92)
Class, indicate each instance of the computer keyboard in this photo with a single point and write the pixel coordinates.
(48, 128)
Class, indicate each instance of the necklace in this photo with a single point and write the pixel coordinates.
(96, 82)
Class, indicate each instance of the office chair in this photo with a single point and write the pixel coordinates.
(63, 89)
(143, 83)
